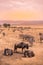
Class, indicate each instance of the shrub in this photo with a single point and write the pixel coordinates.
(3, 34)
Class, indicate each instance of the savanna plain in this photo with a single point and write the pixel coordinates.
(10, 36)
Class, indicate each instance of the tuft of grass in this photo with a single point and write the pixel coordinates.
(3, 34)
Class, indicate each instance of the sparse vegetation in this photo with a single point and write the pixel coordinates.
(1, 30)
(3, 34)
(14, 30)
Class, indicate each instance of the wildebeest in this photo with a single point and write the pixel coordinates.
(8, 52)
(41, 37)
(29, 38)
(21, 45)
(29, 53)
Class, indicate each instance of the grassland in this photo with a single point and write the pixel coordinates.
(10, 36)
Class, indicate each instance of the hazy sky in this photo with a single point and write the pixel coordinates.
(21, 9)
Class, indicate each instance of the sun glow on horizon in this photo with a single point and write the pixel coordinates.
(21, 15)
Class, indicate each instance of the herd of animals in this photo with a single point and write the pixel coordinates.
(23, 45)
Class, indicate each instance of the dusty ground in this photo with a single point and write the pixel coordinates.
(11, 38)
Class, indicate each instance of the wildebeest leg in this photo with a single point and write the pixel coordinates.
(15, 48)
(22, 50)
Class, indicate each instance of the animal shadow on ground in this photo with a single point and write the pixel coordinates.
(26, 54)
(19, 52)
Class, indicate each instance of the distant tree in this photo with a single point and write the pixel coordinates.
(6, 25)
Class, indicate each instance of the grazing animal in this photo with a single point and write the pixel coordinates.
(29, 53)
(41, 37)
(21, 45)
(8, 52)
(29, 38)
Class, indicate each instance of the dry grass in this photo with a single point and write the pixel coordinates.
(11, 38)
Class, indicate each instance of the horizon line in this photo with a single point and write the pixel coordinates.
(23, 22)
